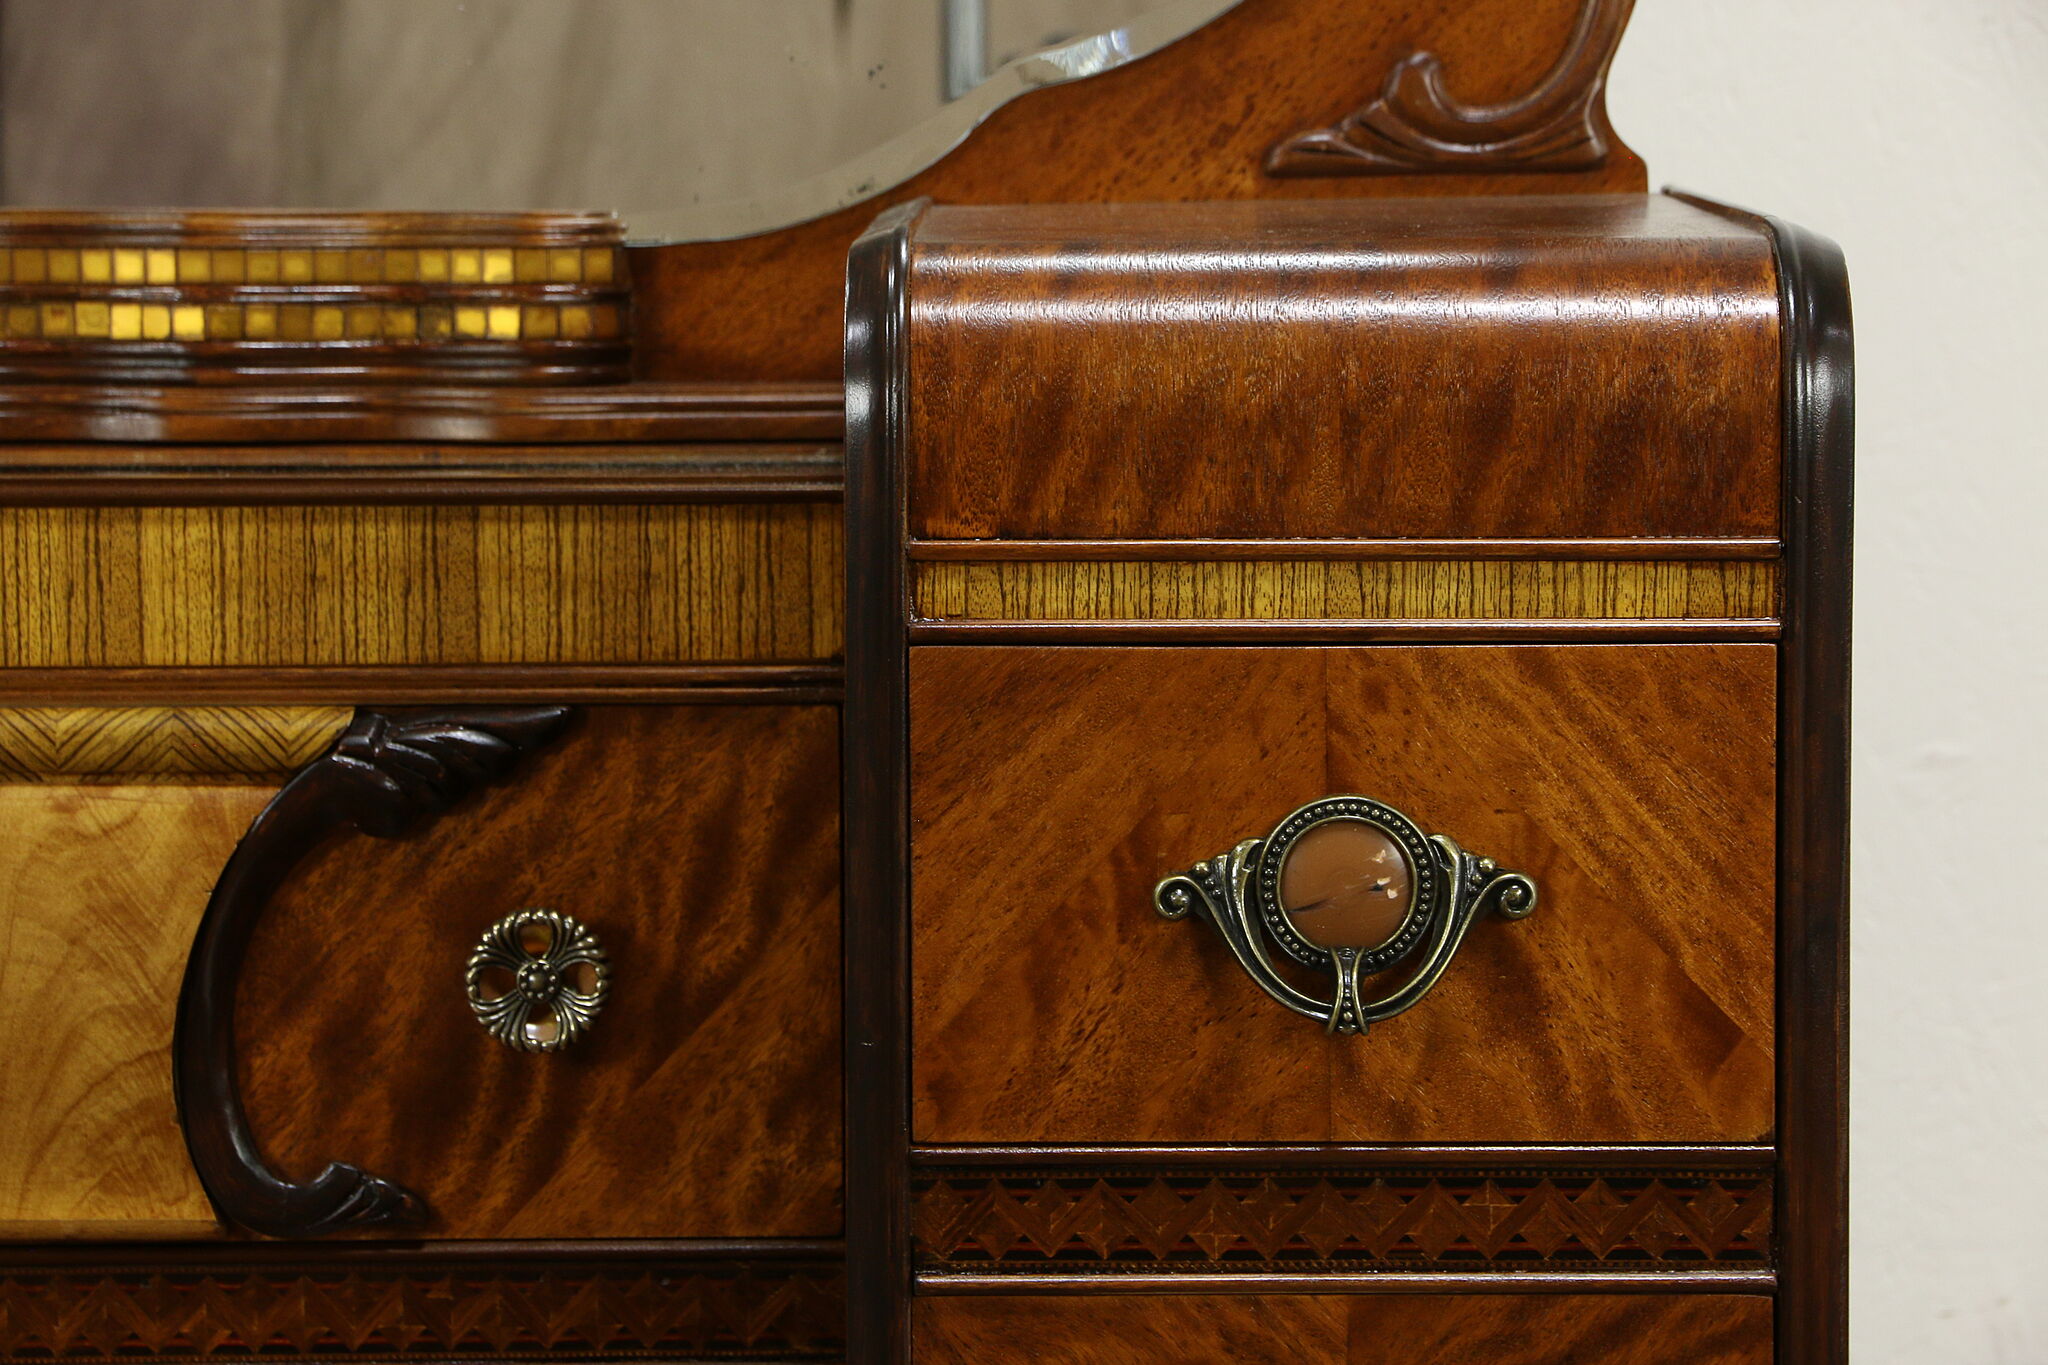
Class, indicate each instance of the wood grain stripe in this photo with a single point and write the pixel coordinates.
(1383, 590)
(155, 743)
(1414, 547)
(285, 586)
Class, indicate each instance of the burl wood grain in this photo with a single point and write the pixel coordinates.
(228, 586)
(1385, 590)
(1366, 1329)
(1192, 122)
(701, 845)
(1591, 366)
(101, 890)
(1052, 1004)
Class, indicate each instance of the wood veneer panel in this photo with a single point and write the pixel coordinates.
(1376, 1329)
(184, 744)
(1194, 121)
(1588, 366)
(1383, 590)
(701, 845)
(101, 890)
(238, 586)
(1051, 1004)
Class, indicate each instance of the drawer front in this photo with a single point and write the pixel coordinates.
(1364, 1329)
(700, 846)
(1185, 371)
(1051, 788)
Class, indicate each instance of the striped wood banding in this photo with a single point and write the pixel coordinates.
(356, 586)
(1364, 590)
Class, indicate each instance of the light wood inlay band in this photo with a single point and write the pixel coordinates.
(157, 743)
(1370, 590)
(298, 586)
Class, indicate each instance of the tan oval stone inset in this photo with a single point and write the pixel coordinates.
(1346, 884)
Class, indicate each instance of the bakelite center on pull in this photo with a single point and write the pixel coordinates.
(1346, 884)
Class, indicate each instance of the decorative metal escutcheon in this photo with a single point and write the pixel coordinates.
(1352, 887)
(537, 979)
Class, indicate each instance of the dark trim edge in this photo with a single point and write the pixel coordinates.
(426, 685)
(1813, 799)
(1818, 442)
(1366, 1282)
(876, 775)
(1463, 1158)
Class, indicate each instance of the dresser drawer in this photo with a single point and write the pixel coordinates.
(700, 847)
(1328, 1329)
(697, 845)
(1051, 788)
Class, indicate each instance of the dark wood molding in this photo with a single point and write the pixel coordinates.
(384, 777)
(1369, 1282)
(430, 685)
(567, 414)
(1340, 1156)
(250, 1257)
(876, 813)
(107, 475)
(1118, 1220)
(1819, 435)
(1813, 798)
(657, 1305)
(1644, 548)
(1416, 126)
(1333, 632)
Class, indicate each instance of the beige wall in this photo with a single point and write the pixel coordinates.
(469, 103)
(1914, 132)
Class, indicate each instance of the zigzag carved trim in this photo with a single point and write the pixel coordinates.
(162, 743)
(982, 1222)
(669, 1311)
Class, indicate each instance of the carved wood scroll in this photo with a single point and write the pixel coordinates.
(385, 777)
(1417, 126)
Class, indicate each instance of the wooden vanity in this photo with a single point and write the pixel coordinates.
(747, 799)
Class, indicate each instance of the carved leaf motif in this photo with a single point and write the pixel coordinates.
(1417, 126)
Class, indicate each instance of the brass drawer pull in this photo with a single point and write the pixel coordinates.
(1350, 886)
(537, 979)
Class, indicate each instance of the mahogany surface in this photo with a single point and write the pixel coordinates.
(1584, 366)
(1193, 121)
(1050, 1003)
(1369, 1329)
(700, 844)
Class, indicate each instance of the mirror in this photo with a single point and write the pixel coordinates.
(693, 119)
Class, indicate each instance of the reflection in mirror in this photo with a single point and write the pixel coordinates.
(692, 118)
